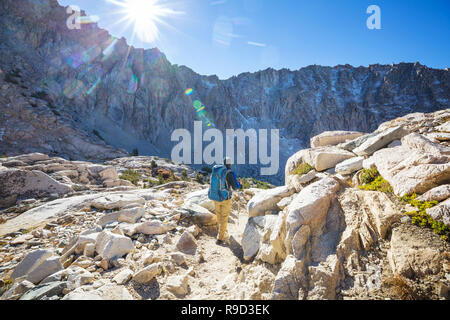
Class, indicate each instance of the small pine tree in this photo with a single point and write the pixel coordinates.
(199, 178)
(153, 164)
(135, 152)
(184, 175)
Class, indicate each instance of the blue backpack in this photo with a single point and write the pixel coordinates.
(218, 190)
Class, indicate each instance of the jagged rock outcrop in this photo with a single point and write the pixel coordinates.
(341, 241)
(416, 166)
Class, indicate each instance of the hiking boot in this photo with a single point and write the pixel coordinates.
(225, 240)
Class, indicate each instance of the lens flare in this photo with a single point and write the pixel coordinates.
(88, 19)
(72, 89)
(110, 48)
(202, 114)
(92, 88)
(133, 84)
(189, 91)
(145, 15)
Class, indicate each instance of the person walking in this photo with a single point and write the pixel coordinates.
(223, 180)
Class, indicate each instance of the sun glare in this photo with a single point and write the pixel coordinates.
(145, 15)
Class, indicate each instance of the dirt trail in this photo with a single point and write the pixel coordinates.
(222, 262)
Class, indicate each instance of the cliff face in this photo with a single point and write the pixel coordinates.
(64, 84)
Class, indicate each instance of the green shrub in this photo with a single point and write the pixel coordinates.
(368, 175)
(131, 175)
(6, 284)
(261, 184)
(303, 168)
(245, 184)
(373, 181)
(153, 164)
(378, 184)
(199, 178)
(184, 175)
(421, 218)
(161, 179)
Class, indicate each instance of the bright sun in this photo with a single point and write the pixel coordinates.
(145, 15)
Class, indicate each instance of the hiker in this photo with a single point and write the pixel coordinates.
(223, 180)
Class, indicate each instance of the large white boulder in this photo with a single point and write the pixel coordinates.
(131, 215)
(272, 249)
(415, 167)
(355, 143)
(310, 208)
(350, 165)
(200, 198)
(323, 158)
(110, 245)
(436, 194)
(147, 274)
(292, 163)
(332, 138)
(251, 239)
(197, 214)
(380, 140)
(420, 143)
(23, 183)
(46, 268)
(117, 201)
(267, 200)
(153, 227)
(109, 173)
(37, 265)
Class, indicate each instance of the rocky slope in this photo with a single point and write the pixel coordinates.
(74, 92)
(337, 229)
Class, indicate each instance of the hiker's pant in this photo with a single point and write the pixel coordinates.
(222, 212)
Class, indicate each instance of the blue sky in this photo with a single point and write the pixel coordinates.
(229, 37)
